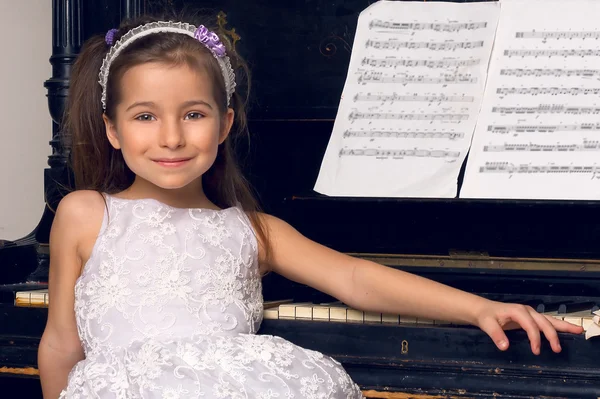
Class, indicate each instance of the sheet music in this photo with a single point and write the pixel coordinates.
(538, 135)
(411, 98)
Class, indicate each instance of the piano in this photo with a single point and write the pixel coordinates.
(542, 253)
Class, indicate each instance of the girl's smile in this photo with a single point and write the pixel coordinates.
(172, 162)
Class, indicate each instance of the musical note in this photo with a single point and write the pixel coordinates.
(520, 72)
(379, 77)
(558, 35)
(408, 117)
(534, 147)
(508, 167)
(553, 53)
(438, 27)
(391, 44)
(400, 134)
(415, 97)
(548, 109)
(553, 91)
(397, 62)
(376, 152)
(543, 128)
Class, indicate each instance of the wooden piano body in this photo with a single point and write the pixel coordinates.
(542, 253)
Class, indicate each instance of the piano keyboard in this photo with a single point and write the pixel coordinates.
(335, 312)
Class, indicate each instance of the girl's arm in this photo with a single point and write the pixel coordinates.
(60, 348)
(368, 286)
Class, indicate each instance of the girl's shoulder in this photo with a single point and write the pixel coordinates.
(81, 206)
(78, 220)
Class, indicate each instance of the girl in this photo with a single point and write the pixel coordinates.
(155, 282)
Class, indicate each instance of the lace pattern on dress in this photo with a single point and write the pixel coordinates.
(168, 306)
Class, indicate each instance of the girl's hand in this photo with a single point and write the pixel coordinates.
(495, 317)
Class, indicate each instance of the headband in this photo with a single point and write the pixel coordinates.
(208, 38)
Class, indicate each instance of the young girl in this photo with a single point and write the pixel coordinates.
(157, 258)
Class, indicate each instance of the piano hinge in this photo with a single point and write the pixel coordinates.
(468, 254)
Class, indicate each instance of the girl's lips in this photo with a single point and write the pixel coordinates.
(172, 162)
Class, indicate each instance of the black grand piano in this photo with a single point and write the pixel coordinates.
(542, 253)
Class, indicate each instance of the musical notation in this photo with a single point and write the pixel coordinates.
(520, 72)
(404, 135)
(541, 102)
(410, 85)
(398, 62)
(507, 167)
(414, 97)
(558, 35)
(587, 127)
(376, 152)
(407, 117)
(553, 53)
(379, 77)
(444, 46)
(415, 26)
(553, 91)
(548, 109)
(532, 147)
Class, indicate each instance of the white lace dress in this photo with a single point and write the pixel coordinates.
(168, 306)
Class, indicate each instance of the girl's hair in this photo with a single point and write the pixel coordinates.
(98, 166)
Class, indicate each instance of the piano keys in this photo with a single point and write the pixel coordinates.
(340, 313)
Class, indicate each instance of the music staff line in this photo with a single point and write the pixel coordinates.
(574, 91)
(403, 135)
(396, 62)
(436, 46)
(553, 53)
(507, 167)
(375, 152)
(378, 77)
(415, 97)
(411, 117)
(503, 129)
(558, 35)
(588, 73)
(548, 109)
(532, 147)
(435, 26)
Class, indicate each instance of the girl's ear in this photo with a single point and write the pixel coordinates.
(111, 132)
(226, 126)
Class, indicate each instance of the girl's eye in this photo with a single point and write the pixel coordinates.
(193, 115)
(144, 117)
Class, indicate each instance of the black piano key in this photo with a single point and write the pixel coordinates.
(571, 307)
(547, 307)
(540, 308)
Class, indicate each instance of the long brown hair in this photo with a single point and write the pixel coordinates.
(98, 166)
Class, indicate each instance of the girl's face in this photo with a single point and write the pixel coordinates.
(167, 125)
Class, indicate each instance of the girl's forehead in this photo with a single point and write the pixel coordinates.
(183, 70)
(159, 81)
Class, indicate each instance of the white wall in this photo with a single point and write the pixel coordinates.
(25, 123)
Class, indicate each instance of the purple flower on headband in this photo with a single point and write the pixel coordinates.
(210, 40)
(110, 36)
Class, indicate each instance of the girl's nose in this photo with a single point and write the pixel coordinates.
(171, 135)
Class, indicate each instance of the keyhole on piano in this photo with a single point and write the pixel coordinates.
(404, 347)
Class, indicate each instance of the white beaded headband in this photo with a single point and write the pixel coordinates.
(208, 38)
